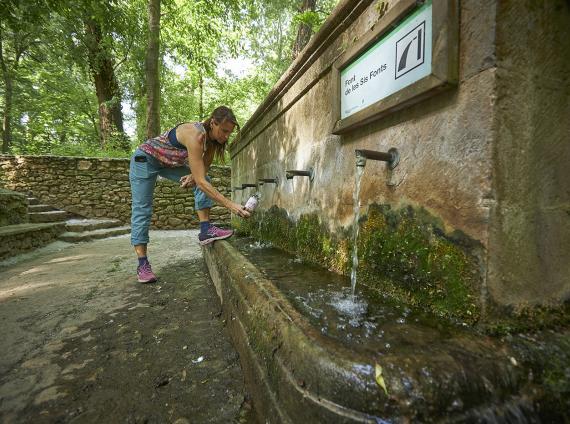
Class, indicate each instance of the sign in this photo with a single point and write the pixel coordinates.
(400, 58)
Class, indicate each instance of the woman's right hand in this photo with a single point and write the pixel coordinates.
(239, 210)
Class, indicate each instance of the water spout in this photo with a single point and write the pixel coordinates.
(246, 185)
(237, 189)
(297, 173)
(269, 180)
(392, 157)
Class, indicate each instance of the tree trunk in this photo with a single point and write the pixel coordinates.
(305, 31)
(106, 87)
(201, 88)
(152, 74)
(7, 118)
(8, 93)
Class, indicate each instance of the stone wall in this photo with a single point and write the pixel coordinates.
(13, 208)
(99, 188)
(530, 228)
(464, 153)
(21, 238)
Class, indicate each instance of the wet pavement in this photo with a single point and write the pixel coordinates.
(83, 342)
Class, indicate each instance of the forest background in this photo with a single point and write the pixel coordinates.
(96, 78)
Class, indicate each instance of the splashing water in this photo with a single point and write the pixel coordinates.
(359, 172)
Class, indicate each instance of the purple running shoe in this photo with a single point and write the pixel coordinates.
(145, 274)
(214, 233)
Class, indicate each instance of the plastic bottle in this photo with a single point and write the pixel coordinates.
(251, 203)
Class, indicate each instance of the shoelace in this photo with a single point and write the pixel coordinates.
(146, 267)
(214, 231)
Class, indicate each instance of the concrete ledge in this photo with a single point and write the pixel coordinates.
(295, 374)
(16, 239)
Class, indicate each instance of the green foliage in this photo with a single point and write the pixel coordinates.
(55, 109)
(309, 18)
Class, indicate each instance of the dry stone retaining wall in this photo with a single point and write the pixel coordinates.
(13, 208)
(99, 188)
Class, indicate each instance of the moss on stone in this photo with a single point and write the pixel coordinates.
(547, 354)
(307, 238)
(406, 253)
(403, 253)
(527, 318)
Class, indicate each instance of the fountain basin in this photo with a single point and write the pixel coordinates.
(297, 374)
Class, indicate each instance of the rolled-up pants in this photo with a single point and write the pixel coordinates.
(143, 171)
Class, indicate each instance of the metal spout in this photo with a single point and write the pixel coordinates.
(392, 157)
(246, 185)
(237, 189)
(269, 180)
(297, 173)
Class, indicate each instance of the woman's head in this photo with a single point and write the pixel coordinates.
(219, 127)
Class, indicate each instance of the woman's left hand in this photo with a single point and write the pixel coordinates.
(187, 181)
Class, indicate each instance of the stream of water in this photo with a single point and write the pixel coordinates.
(356, 228)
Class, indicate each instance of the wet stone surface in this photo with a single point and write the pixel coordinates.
(83, 342)
(433, 370)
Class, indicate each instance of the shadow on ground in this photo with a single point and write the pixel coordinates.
(86, 343)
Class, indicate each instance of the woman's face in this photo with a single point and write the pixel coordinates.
(222, 131)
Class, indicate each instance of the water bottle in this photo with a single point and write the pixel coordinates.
(251, 203)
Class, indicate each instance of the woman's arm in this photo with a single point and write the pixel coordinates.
(189, 136)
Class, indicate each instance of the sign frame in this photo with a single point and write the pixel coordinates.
(444, 62)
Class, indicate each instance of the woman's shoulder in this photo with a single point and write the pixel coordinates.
(192, 127)
(200, 126)
(190, 131)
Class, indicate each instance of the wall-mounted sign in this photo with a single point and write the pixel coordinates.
(399, 59)
(410, 53)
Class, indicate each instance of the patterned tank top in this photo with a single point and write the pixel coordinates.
(167, 149)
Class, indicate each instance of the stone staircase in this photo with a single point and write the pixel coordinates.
(77, 229)
(42, 224)
(92, 229)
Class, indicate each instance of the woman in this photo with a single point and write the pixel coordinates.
(183, 154)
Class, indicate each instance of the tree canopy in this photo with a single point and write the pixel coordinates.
(96, 78)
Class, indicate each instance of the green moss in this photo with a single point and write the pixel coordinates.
(547, 354)
(402, 253)
(307, 238)
(406, 254)
(528, 318)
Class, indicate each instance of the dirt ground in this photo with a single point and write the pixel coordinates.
(83, 342)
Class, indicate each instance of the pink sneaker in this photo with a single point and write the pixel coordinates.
(145, 274)
(214, 233)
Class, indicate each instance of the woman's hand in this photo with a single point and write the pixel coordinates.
(187, 181)
(239, 210)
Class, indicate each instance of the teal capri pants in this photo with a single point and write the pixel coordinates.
(143, 171)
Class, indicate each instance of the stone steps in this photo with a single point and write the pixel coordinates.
(76, 237)
(80, 224)
(48, 216)
(40, 208)
(47, 224)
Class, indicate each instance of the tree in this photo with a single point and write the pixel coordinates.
(305, 30)
(66, 68)
(15, 42)
(152, 70)
(102, 67)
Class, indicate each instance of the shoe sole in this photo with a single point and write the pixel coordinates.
(213, 239)
(152, 280)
